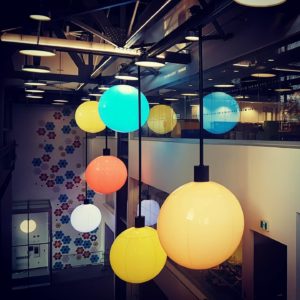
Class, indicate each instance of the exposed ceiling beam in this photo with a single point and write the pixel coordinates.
(133, 17)
(93, 31)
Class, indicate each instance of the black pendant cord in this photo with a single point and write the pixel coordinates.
(86, 201)
(106, 150)
(39, 32)
(140, 220)
(106, 137)
(201, 172)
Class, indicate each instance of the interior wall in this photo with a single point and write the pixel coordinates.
(50, 164)
(264, 179)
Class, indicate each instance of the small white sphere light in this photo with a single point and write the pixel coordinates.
(86, 218)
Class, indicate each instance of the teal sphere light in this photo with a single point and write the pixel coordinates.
(221, 112)
(118, 108)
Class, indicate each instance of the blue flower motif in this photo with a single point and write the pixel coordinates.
(90, 194)
(69, 149)
(66, 239)
(65, 219)
(87, 244)
(36, 162)
(66, 111)
(58, 234)
(48, 148)
(78, 242)
(65, 249)
(63, 198)
(66, 129)
(59, 179)
(94, 258)
(50, 126)
(73, 123)
(62, 163)
(69, 174)
(58, 265)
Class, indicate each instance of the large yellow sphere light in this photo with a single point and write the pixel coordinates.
(200, 225)
(162, 119)
(136, 255)
(87, 117)
(28, 226)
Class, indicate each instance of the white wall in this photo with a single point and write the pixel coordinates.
(265, 180)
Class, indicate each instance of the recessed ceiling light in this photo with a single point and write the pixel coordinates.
(85, 99)
(60, 101)
(35, 83)
(235, 71)
(271, 59)
(225, 85)
(189, 94)
(149, 62)
(260, 3)
(95, 94)
(125, 76)
(35, 69)
(34, 91)
(283, 90)
(34, 96)
(263, 75)
(153, 103)
(210, 79)
(42, 53)
(171, 99)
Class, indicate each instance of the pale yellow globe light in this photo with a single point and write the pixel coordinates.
(200, 225)
(136, 255)
(88, 118)
(28, 226)
(260, 3)
(162, 119)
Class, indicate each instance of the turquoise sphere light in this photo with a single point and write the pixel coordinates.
(221, 112)
(118, 108)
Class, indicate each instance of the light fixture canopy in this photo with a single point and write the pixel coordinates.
(37, 52)
(192, 36)
(260, 3)
(149, 62)
(35, 69)
(126, 76)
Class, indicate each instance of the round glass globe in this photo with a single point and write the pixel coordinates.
(221, 112)
(106, 174)
(85, 218)
(118, 108)
(150, 210)
(200, 225)
(260, 3)
(136, 255)
(28, 226)
(87, 117)
(162, 119)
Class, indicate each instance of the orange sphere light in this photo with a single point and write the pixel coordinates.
(200, 225)
(106, 174)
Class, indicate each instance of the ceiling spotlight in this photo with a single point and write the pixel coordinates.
(35, 69)
(225, 85)
(34, 96)
(32, 90)
(192, 36)
(149, 62)
(41, 53)
(61, 101)
(189, 94)
(126, 76)
(171, 99)
(35, 83)
(103, 88)
(263, 75)
(260, 3)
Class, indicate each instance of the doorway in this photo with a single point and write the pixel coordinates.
(270, 269)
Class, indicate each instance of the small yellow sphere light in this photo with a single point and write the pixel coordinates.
(200, 225)
(88, 118)
(136, 255)
(162, 119)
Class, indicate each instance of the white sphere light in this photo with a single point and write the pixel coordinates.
(150, 210)
(260, 3)
(28, 226)
(86, 218)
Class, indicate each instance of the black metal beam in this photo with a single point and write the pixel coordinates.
(204, 17)
(177, 58)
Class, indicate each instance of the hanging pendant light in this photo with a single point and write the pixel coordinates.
(106, 174)
(206, 217)
(260, 3)
(149, 62)
(136, 255)
(118, 108)
(87, 117)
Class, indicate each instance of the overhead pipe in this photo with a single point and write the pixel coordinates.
(85, 46)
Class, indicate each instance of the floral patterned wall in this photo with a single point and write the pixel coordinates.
(50, 165)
